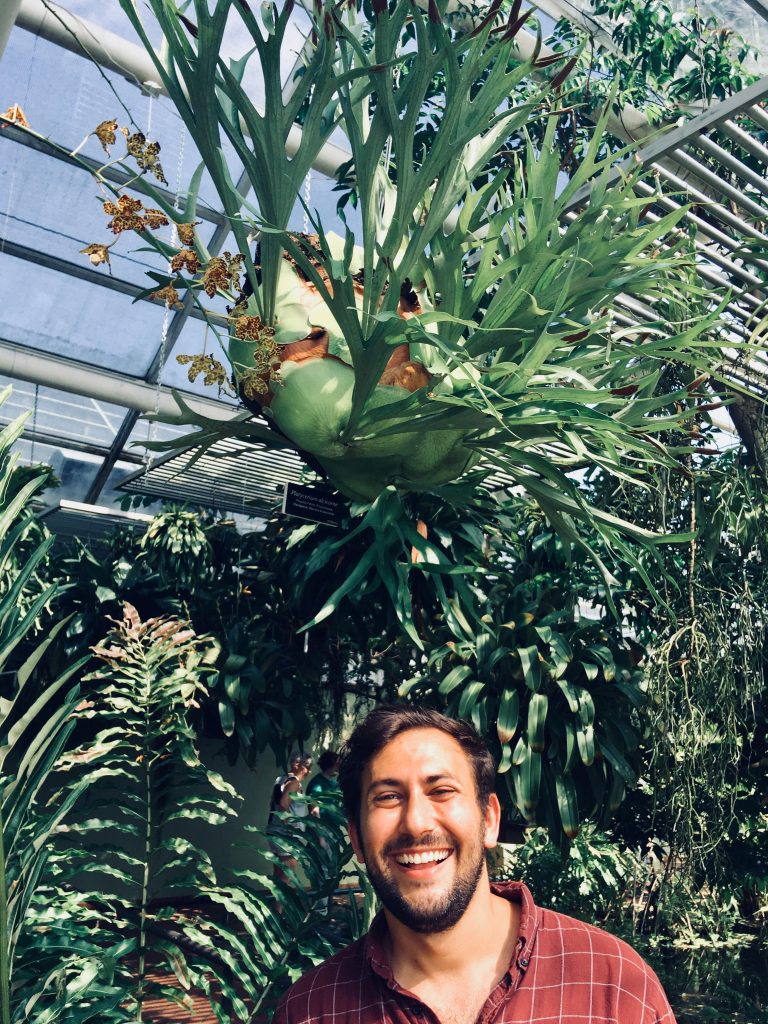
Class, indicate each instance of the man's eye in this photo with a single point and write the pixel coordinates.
(387, 798)
(443, 792)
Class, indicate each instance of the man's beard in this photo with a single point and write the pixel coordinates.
(443, 910)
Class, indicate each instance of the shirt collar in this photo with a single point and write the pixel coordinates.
(515, 892)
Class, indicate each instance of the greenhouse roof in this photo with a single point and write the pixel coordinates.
(88, 357)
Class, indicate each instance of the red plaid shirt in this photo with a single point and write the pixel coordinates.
(563, 972)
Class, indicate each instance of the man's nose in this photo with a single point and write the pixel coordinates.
(417, 815)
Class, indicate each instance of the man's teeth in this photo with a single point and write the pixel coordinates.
(427, 857)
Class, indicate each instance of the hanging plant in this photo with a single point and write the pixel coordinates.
(471, 322)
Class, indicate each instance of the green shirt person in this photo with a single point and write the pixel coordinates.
(325, 784)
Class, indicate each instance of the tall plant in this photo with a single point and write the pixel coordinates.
(139, 870)
(559, 699)
(36, 717)
(268, 685)
(144, 782)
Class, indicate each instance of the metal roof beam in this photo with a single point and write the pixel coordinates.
(708, 251)
(667, 142)
(733, 164)
(715, 209)
(712, 117)
(9, 10)
(87, 39)
(743, 139)
(759, 116)
(104, 385)
(707, 177)
(578, 14)
(88, 273)
(707, 229)
(758, 7)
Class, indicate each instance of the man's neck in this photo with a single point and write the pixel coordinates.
(488, 928)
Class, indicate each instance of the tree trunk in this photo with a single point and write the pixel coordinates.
(751, 421)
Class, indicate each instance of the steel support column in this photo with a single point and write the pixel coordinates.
(9, 10)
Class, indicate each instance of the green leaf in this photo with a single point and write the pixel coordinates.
(537, 716)
(469, 697)
(567, 804)
(527, 780)
(509, 709)
(531, 665)
(454, 678)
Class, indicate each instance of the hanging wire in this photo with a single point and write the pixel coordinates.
(34, 425)
(150, 108)
(307, 197)
(706, 96)
(240, 584)
(174, 240)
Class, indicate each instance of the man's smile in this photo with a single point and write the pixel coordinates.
(421, 858)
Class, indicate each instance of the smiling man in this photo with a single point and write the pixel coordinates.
(449, 947)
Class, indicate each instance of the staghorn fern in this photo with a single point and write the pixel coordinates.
(470, 326)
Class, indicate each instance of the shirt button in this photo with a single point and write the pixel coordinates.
(524, 962)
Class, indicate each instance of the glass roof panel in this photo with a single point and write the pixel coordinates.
(54, 207)
(740, 18)
(74, 470)
(235, 43)
(58, 414)
(65, 96)
(53, 312)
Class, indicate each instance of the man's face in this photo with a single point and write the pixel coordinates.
(423, 833)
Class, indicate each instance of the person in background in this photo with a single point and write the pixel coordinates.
(288, 798)
(325, 783)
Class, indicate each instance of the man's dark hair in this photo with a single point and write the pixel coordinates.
(328, 759)
(386, 722)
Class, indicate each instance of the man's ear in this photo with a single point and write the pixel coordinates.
(354, 838)
(492, 821)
